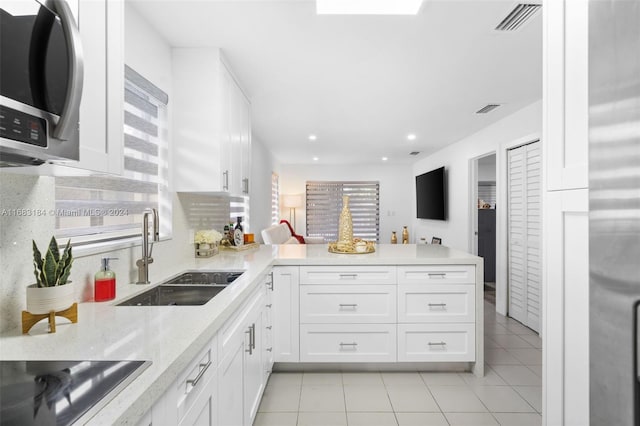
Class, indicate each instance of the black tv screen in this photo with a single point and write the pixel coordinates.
(430, 195)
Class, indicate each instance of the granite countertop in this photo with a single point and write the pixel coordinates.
(171, 336)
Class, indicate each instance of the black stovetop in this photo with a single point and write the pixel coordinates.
(59, 392)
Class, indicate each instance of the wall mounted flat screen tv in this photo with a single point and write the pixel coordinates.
(431, 195)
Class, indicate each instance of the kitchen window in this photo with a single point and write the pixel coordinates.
(92, 209)
(324, 203)
(275, 199)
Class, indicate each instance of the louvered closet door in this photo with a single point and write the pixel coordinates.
(524, 234)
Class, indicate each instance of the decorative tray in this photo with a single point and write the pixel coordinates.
(355, 247)
(246, 246)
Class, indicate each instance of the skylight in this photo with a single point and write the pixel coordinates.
(368, 7)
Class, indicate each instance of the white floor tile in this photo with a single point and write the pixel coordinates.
(471, 419)
(278, 399)
(490, 378)
(366, 398)
(518, 419)
(489, 343)
(493, 329)
(367, 378)
(276, 419)
(322, 398)
(442, 378)
(322, 419)
(502, 399)
(421, 419)
(371, 419)
(322, 379)
(517, 328)
(500, 357)
(537, 369)
(509, 341)
(285, 378)
(527, 356)
(532, 394)
(411, 398)
(457, 399)
(533, 339)
(517, 375)
(412, 378)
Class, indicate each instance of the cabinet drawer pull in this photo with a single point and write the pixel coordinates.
(203, 369)
(436, 274)
(350, 276)
(269, 327)
(441, 305)
(269, 349)
(348, 305)
(348, 344)
(268, 305)
(225, 185)
(437, 343)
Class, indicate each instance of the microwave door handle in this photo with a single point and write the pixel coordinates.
(65, 127)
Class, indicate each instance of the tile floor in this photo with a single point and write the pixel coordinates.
(509, 394)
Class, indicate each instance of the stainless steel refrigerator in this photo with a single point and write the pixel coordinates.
(614, 211)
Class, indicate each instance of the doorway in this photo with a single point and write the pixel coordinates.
(484, 218)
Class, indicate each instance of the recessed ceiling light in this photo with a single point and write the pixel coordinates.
(315, 158)
(368, 7)
(384, 158)
(312, 137)
(411, 137)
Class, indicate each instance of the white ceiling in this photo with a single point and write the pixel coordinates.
(362, 83)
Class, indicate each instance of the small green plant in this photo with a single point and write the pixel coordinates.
(53, 269)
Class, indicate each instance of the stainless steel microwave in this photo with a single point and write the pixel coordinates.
(41, 74)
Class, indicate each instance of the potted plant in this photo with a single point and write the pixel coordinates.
(206, 242)
(53, 290)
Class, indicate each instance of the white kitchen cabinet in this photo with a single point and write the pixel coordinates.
(286, 309)
(267, 327)
(355, 274)
(241, 371)
(209, 122)
(347, 304)
(436, 303)
(101, 25)
(348, 342)
(192, 399)
(436, 342)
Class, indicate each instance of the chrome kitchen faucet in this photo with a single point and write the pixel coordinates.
(147, 248)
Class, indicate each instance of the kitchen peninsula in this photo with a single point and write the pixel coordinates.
(418, 306)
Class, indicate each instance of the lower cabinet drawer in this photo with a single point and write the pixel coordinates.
(347, 343)
(193, 380)
(436, 342)
(436, 303)
(324, 304)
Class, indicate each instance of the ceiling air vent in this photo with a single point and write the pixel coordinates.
(518, 16)
(487, 108)
(414, 153)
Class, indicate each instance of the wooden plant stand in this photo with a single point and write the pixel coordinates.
(29, 319)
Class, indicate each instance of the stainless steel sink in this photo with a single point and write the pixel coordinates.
(188, 288)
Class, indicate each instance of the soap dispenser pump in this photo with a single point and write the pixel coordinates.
(105, 282)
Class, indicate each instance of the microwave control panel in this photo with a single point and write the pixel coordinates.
(21, 127)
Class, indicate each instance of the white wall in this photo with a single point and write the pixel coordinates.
(455, 158)
(487, 169)
(396, 191)
(262, 166)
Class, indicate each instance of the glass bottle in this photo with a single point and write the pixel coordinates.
(405, 235)
(394, 238)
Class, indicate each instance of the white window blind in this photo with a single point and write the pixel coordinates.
(204, 211)
(103, 208)
(324, 203)
(487, 192)
(275, 199)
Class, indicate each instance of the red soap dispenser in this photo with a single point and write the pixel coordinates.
(105, 282)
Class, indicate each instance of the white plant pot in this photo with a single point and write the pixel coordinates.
(42, 300)
(204, 246)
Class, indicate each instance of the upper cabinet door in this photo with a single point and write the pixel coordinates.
(566, 89)
(208, 124)
(101, 25)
